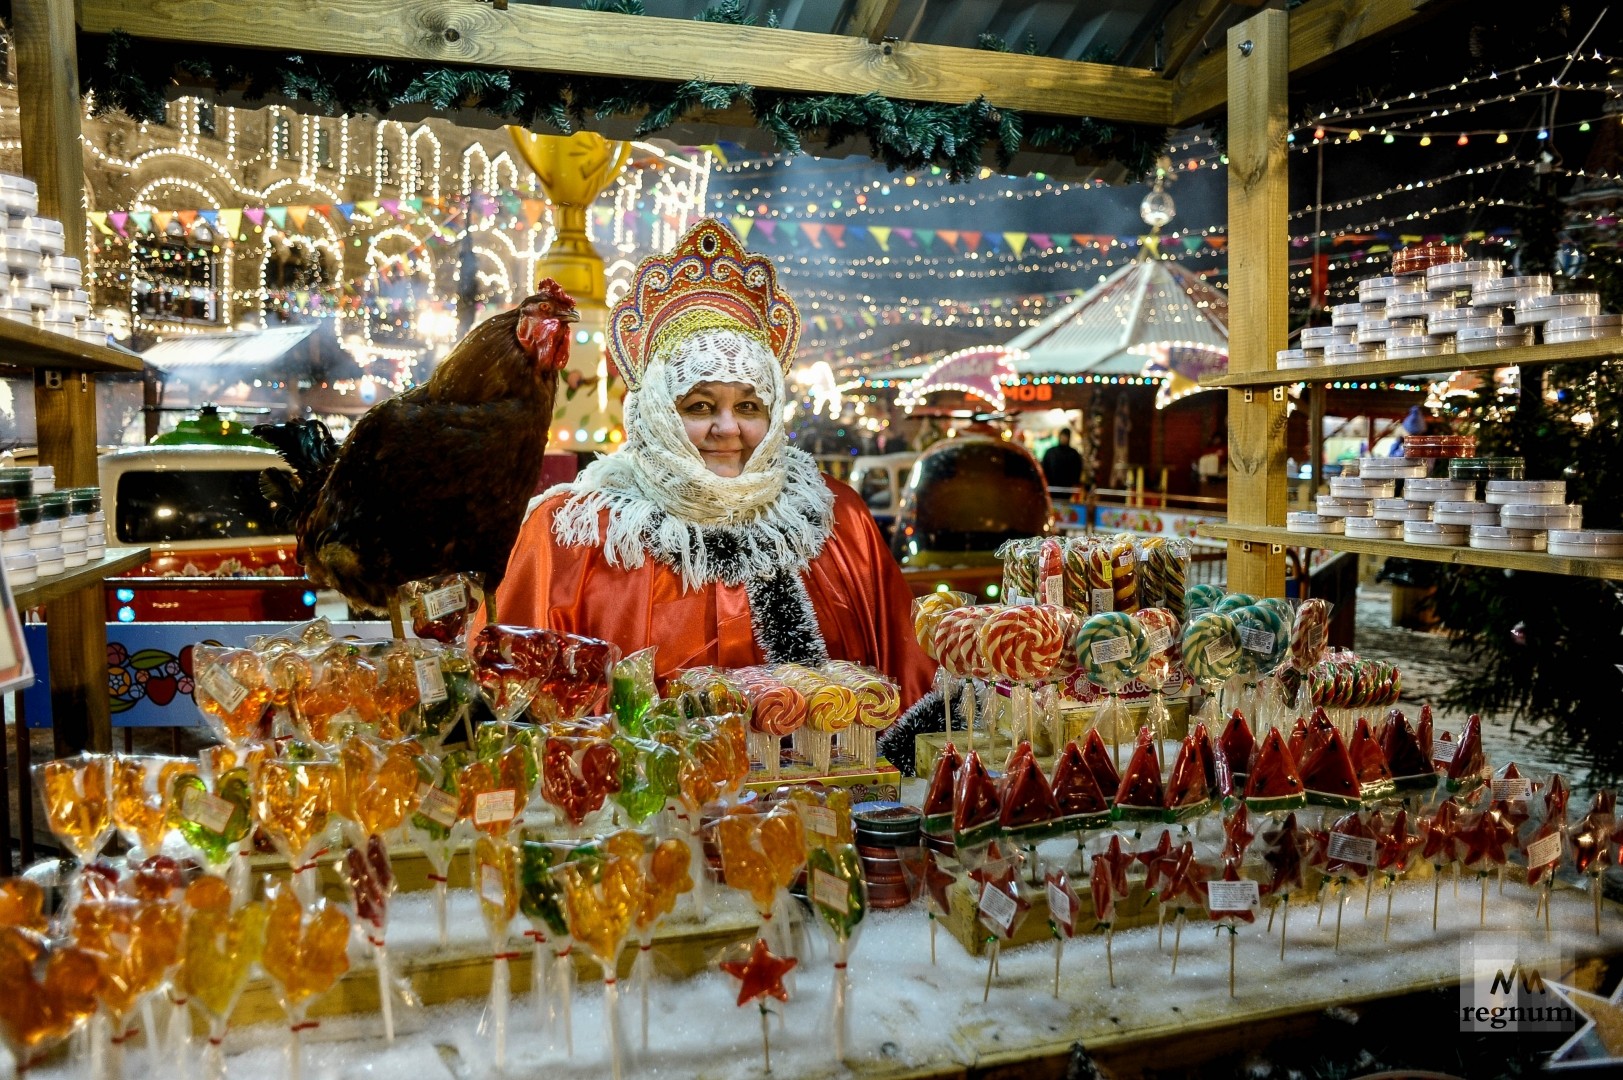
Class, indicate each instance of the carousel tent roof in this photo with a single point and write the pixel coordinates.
(233, 350)
(1108, 329)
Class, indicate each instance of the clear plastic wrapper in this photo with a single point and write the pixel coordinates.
(232, 689)
(441, 608)
(927, 612)
(632, 690)
(1211, 652)
(306, 952)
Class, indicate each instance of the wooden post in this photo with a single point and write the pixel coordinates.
(64, 403)
(1258, 69)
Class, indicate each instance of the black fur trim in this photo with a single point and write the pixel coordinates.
(785, 622)
(896, 741)
(730, 551)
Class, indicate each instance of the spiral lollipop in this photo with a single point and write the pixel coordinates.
(1151, 571)
(878, 701)
(1211, 652)
(1161, 632)
(1234, 600)
(927, 612)
(1264, 635)
(958, 642)
(1310, 633)
(1100, 578)
(1022, 643)
(1124, 573)
(775, 709)
(1201, 599)
(1078, 596)
(829, 705)
(1020, 566)
(1112, 649)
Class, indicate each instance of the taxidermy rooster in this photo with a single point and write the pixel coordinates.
(436, 479)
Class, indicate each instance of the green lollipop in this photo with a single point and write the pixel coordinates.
(1202, 598)
(1211, 647)
(1232, 601)
(1264, 635)
(212, 822)
(836, 889)
(1112, 648)
(648, 772)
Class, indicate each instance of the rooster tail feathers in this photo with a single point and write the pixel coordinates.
(310, 449)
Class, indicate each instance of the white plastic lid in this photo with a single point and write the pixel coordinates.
(1303, 521)
(1432, 489)
(1463, 506)
(1363, 487)
(1433, 532)
(1401, 510)
(1597, 537)
(1391, 468)
(1376, 528)
(1541, 516)
(1331, 506)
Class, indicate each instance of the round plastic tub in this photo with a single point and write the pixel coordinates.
(1362, 487)
(1434, 535)
(1541, 492)
(1489, 338)
(1499, 538)
(1350, 353)
(1418, 257)
(1464, 512)
(1374, 529)
(1447, 277)
(1537, 309)
(1415, 348)
(1541, 516)
(1289, 358)
(1487, 468)
(1400, 510)
(1415, 307)
(49, 561)
(1318, 337)
(22, 569)
(1587, 543)
(1439, 446)
(1390, 468)
(1510, 291)
(1422, 489)
(1304, 522)
(1567, 328)
(1375, 331)
(1331, 506)
(1377, 289)
(1353, 314)
(1455, 319)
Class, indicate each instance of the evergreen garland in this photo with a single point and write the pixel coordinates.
(136, 78)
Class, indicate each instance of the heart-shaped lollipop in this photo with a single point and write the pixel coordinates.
(306, 950)
(213, 822)
(578, 774)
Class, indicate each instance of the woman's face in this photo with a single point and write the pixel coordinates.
(725, 422)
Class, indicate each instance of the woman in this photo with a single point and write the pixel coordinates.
(707, 535)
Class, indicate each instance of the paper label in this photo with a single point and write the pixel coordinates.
(1104, 600)
(1196, 612)
(207, 809)
(831, 892)
(1516, 790)
(997, 908)
(1233, 896)
(1257, 641)
(220, 686)
(1544, 851)
(1017, 600)
(1059, 905)
(1351, 849)
(1160, 640)
(1442, 751)
(443, 601)
(492, 889)
(1219, 650)
(1111, 650)
(1125, 559)
(490, 807)
(436, 805)
(1054, 591)
(819, 819)
(430, 681)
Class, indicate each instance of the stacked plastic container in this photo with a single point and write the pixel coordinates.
(45, 287)
(43, 531)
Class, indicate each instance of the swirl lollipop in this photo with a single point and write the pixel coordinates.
(1161, 632)
(1211, 651)
(1264, 633)
(1112, 648)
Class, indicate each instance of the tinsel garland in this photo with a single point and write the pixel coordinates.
(136, 78)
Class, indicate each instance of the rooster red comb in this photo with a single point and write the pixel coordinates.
(549, 289)
(707, 282)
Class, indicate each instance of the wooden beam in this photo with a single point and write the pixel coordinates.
(1198, 18)
(870, 19)
(1318, 30)
(576, 42)
(1259, 293)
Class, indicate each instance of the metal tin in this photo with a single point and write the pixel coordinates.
(1372, 290)
(1390, 468)
(1486, 339)
(1362, 487)
(1510, 291)
(1415, 307)
(1374, 331)
(1439, 446)
(1499, 538)
(1431, 534)
(1464, 512)
(1453, 320)
(1446, 277)
(1420, 257)
(1331, 506)
(1541, 516)
(1318, 337)
(1487, 468)
(1587, 543)
(1288, 358)
(1353, 314)
(1582, 328)
(1351, 353)
(1526, 492)
(1400, 510)
(1303, 522)
(1374, 529)
(1423, 489)
(1415, 348)
(1536, 309)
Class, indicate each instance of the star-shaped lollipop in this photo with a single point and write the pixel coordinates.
(761, 974)
(1600, 1040)
(1237, 833)
(1153, 858)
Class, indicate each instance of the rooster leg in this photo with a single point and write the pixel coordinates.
(490, 608)
(397, 625)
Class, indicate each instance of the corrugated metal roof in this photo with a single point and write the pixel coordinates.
(1103, 332)
(236, 350)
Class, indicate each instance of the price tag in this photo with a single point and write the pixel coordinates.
(430, 681)
(1233, 896)
(1160, 640)
(207, 809)
(1103, 600)
(1059, 906)
(819, 819)
(1126, 558)
(1054, 591)
(831, 892)
(1220, 650)
(220, 686)
(998, 908)
(1257, 641)
(436, 805)
(492, 889)
(1443, 751)
(1351, 849)
(1514, 790)
(443, 601)
(491, 807)
(1111, 651)
(1544, 851)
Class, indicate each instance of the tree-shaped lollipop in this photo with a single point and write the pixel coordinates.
(136, 940)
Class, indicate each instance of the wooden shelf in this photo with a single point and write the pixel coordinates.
(58, 586)
(27, 346)
(1573, 352)
(1536, 561)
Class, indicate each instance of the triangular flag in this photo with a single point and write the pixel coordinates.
(741, 226)
(1083, 239)
(767, 226)
(790, 230)
(231, 222)
(1061, 241)
(972, 240)
(948, 237)
(391, 207)
(926, 237)
(1217, 243)
(369, 207)
(346, 210)
(278, 216)
(1040, 241)
(820, 322)
(119, 218)
(906, 234)
(324, 209)
(186, 217)
(881, 236)
(256, 214)
(1016, 242)
(814, 232)
(143, 221)
(1105, 243)
(299, 214)
(1191, 244)
(533, 209)
(210, 216)
(837, 234)
(98, 218)
(1153, 243)
(161, 220)
(415, 205)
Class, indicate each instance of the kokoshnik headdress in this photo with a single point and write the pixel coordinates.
(707, 282)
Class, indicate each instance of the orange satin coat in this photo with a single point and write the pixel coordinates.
(863, 606)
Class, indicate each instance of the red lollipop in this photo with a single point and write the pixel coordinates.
(577, 774)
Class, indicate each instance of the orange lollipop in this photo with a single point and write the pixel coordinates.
(142, 788)
(135, 943)
(221, 947)
(397, 691)
(78, 802)
(379, 784)
(492, 796)
(761, 853)
(48, 992)
(306, 950)
(22, 904)
(602, 900)
(667, 878)
(292, 800)
(232, 689)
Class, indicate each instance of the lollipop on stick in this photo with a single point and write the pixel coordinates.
(1000, 907)
(1108, 883)
(221, 948)
(135, 942)
(1161, 632)
(306, 951)
(1440, 846)
(1282, 852)
(1349, 852)
(666, 877)
(432, 826)
(839, 897)
(77, 793)
(761, 976)
(1211, 651)
(293, 796)
(496, 863)
(541, 898)
(142, 789)
(1231, 901)
(1395, 848)
(1063, 907)
(50, 989)
(1112, 648)
(1184, 880)
(603, 897)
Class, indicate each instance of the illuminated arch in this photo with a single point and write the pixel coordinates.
(500, 164)
(475, 176)
(431, 170)
(394, 174)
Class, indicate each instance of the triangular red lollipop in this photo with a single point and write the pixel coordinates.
(1098, 760)
(1422, 733)
(1298, 740)
(1029, 810)
(1369, 763)
(1076, 793)
(1469, 768)
(1274, 783)
(938, 798)
(1236, 745)
(1411, 765)
(1140, 796)
(1187, 793)
(975, 806)
(1328, 774)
